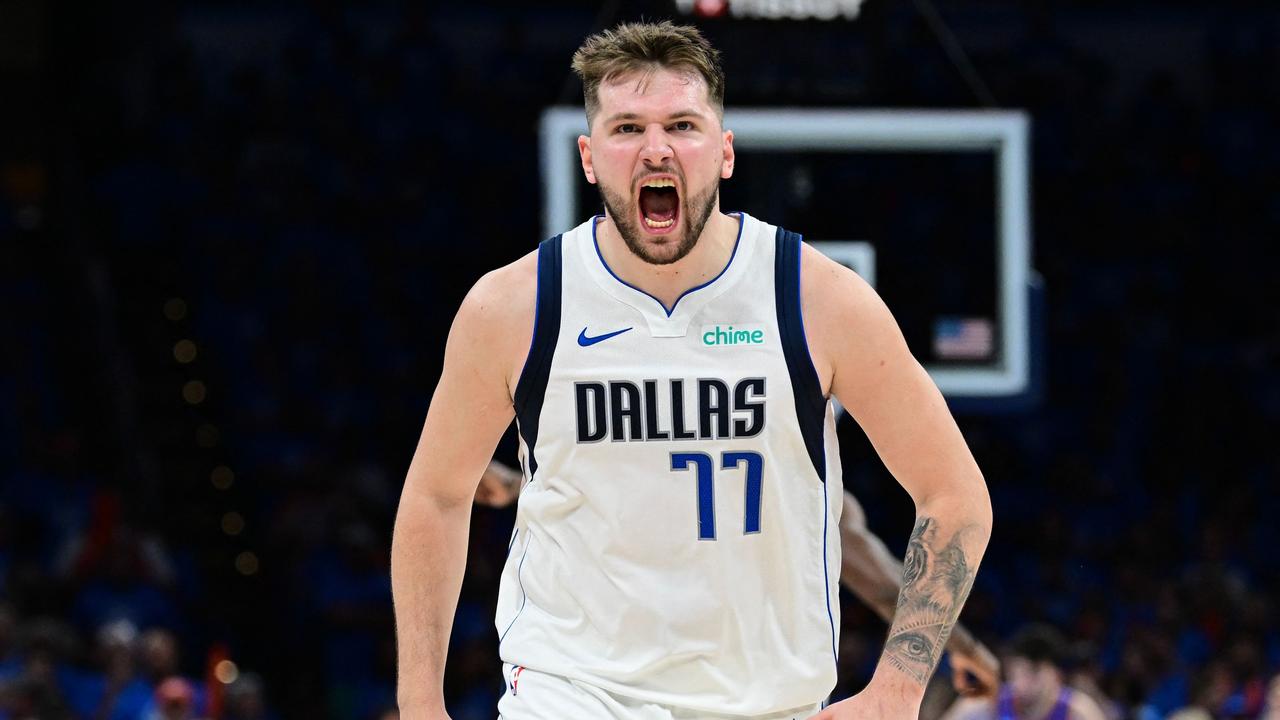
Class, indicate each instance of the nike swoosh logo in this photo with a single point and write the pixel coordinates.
(585, 341)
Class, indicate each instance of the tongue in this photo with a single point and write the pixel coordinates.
(658, 204)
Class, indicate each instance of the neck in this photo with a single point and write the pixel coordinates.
(667, 283)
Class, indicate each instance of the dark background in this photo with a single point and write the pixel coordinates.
(305, 190)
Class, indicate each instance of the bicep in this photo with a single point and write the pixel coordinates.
(884, 387)
(906, 418)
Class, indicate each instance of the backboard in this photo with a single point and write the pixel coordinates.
(931, 207)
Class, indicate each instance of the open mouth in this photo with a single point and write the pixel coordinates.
(659, 205)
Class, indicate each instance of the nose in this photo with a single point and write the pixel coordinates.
(656, 150)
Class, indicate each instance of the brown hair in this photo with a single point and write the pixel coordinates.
(646, 46)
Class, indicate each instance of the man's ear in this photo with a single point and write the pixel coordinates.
(726, 172)
(584, 150)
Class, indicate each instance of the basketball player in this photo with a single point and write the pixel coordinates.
(867, 568)
(675, 551)
(1035, 689)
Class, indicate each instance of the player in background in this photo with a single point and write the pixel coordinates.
(867, 568)
(1035, 686)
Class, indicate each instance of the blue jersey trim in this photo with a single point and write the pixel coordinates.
(524, 597)
(826, 579)
(811, 405)
(531, 389)
(742, 223)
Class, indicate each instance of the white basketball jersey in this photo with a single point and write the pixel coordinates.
(676, 539)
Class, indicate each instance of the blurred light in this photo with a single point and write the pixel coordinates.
(184, 351)
(711, 8)
(247, 563)
(226, 672)
(193, 392)
(207, 435)
(222, 477)
(175, 309)
(233, 524)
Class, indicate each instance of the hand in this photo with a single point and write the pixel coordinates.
(499, 486)
(975, 672)
(871, 705)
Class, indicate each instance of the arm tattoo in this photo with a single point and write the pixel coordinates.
(936, 579)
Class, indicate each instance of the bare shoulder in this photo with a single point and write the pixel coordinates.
(845, 320)
(495, 320)
(505, 290)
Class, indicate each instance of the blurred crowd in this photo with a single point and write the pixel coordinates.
(303, 193)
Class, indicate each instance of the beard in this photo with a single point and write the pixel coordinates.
(694, 214)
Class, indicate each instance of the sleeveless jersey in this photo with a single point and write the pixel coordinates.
(676, 538)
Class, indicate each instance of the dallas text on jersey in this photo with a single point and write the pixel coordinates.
(623, 411)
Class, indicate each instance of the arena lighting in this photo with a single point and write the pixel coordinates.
(222, 477)
(226, 672)
(247, 563)
(773, 9)
(193, 391)
(184, 351)
(175, 309)
(232, 523)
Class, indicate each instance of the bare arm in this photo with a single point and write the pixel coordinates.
(1084, 707)
(500, 485)
(861, 356)
(469, 412)
(873, 574)
(867, 567)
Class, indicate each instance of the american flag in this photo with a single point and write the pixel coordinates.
(957, 338)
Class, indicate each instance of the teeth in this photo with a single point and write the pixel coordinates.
(659, 183)
(656, 224)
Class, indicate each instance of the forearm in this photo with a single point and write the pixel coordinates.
(428, 558)
(874, 575)
(942, 558)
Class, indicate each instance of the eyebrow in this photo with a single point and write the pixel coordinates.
(673, 116)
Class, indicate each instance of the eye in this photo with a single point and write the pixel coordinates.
(627, 128)
(913, 645)
(682, 126)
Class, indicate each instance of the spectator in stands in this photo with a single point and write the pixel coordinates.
(33, 691)
(159, 659)
(174, 699)
(1271, 711)
(1035, 687)
(158, 650)
(113, 690)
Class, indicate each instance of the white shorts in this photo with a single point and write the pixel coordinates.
(532, 695)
